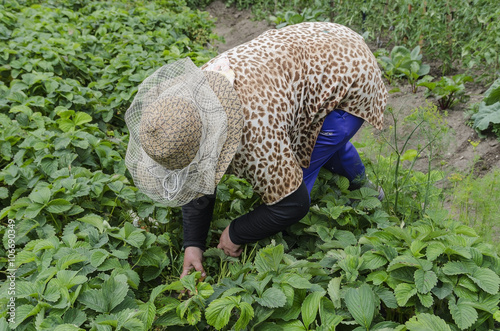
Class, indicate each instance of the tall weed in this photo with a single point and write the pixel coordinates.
(393, 154)
(474, 202)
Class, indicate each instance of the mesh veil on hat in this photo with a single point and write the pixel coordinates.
(185, 126)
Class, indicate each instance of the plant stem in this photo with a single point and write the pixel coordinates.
(427, 189)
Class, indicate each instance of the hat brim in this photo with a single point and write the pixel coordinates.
(234, 111)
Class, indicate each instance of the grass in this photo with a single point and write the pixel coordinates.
(475, 202)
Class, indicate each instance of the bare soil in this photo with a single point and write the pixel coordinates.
(237, 27)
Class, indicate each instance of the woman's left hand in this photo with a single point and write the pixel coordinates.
(227, 245)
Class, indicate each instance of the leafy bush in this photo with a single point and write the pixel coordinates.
(402, 62)
(447, 91)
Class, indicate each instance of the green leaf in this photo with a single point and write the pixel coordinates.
(387, 297)
(493, 93)
(426, 299)
(373, 261)
(496, 316)
(272, 298)
(403, 261)
(486, 115)
(334, 291)
(427, 322)
(457, 268)
(288, 326)
(377, 277)
(94, 300)
(69, 259)
(425, 280)
(310, 307)
(4, 193)
(434, 250)
(69, 278)
(94, 220)
(58, 206)
(98, 257)
(329, 320)
(409, 155)
(385, 326)
(149, 315)
(404, 292)
(246, 315)
(75, 316)
(463, 313)
(486, 279)
(25, 311)
(115, 290)
(132, 235)
(82, 118)
(112, 292)
(41, 196)
(444, 291)
(218, 312)
(269, 259)
(361, 304)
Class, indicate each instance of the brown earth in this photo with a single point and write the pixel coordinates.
(237, 27)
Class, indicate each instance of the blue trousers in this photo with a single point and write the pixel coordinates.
(333, 150)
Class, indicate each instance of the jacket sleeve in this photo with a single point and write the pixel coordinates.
(196, 218)
(267, 220)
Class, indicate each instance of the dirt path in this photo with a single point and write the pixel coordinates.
(234, 25)
(237, 27)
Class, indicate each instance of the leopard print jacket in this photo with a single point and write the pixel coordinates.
(288, 80)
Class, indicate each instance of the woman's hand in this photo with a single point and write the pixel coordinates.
(193, 256)
(227, 245)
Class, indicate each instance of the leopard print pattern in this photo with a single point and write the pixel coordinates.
(288, 80)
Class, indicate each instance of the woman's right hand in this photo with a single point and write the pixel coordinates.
(193, 257)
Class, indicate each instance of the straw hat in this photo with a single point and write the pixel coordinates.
(185, 127)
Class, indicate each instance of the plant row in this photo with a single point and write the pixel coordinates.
(459, 33)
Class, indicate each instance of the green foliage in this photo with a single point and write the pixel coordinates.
(487, 115)
(282, 19)
(402, 62)
(447, 91)
(93, 253)
(474, 203)
(455, 32)
(400, 146)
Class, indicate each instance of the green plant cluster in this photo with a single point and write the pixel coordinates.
(446, 91)
(401, 62)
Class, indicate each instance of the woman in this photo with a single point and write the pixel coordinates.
(272, 111)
